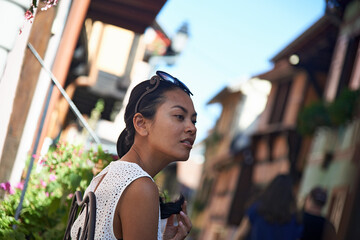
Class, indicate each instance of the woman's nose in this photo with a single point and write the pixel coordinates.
(191, 127)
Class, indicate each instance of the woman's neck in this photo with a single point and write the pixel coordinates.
(147, 161)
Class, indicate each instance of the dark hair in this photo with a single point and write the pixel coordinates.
(277, 203)
(319, 196)
(147, 107)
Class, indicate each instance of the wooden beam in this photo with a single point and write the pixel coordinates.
(62, 61)
(39, 37)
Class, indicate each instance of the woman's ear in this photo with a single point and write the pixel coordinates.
(140, 124)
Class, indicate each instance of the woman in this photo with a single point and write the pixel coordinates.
(160, 128)
(273, 216)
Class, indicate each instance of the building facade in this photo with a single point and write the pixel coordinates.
(33, 108)
(305, 129)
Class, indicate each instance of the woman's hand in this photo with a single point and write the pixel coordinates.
(182, 229)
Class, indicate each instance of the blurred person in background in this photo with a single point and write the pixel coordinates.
(316, 227)
(273, 216)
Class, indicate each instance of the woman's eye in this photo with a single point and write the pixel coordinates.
(180, 117)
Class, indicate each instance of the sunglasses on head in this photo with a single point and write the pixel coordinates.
(164, 77)
(167, 77)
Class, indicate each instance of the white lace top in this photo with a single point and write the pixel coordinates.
(119, 175)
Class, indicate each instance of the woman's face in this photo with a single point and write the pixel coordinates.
(172, 132)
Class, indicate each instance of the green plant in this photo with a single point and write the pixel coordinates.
(313, 116)
(319, 114)
(343, 108)
(57, 176)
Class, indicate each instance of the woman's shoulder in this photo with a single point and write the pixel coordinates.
(129, 169)
(252, 211)
(254, 206)
(119, 176)
(141, 196)
(145, 188)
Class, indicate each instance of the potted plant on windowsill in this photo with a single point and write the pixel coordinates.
(335, 114)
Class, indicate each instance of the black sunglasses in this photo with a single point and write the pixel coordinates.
(165, 77)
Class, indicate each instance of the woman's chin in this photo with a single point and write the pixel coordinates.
(182, 158)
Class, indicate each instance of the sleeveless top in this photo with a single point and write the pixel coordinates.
(119, 175)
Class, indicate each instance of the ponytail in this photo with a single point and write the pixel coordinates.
(121, 146)
(124, 142)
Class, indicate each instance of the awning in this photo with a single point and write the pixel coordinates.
(134, 15)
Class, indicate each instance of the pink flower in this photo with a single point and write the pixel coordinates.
(46, 194)
(52, 177)
(29, 15)
(70, 195)
(20, 185)
(7, 187)
(42, 183)
(42, 161)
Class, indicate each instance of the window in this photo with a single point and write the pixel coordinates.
(348, 65)
(279, 106)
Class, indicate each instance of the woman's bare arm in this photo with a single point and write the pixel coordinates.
(138, 209)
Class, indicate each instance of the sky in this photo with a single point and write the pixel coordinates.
(230, 40)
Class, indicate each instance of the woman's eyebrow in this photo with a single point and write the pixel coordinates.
(184, 109)
(181, 107)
